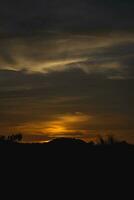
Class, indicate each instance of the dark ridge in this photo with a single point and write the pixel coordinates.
(67, 141)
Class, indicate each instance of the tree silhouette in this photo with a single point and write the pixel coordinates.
(2, 138)
(110, 140)
(15, 138)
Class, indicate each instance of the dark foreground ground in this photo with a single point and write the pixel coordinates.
(64, 149)
(67, 168)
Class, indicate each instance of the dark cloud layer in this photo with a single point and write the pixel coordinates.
(26, 17)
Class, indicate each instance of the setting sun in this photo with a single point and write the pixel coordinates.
(65, 123)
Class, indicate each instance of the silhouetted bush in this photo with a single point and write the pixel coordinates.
(16, 138)
(2, 138)
(110, 140)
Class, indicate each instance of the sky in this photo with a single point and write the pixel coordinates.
(67, 69)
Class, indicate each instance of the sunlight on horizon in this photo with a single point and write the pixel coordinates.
(66, 123)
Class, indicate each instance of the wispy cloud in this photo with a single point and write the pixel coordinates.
(106, 54)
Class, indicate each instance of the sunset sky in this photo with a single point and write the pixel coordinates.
(67, 68)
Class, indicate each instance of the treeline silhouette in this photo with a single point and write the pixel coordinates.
(110, 141)
(11, 139)
(70, 146)
(17, 139)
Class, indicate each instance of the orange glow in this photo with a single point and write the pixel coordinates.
(56, 129)
(60, 125)
(65, 124)
(70, 125)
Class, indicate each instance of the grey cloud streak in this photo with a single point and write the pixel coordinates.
(93, 53)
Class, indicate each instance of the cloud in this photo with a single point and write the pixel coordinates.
(39, 103)
(92, 53)
(114, 61)
(34, 17)
(59, 58)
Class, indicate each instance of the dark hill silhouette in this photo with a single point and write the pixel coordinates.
(108, 148)
(67, 141)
